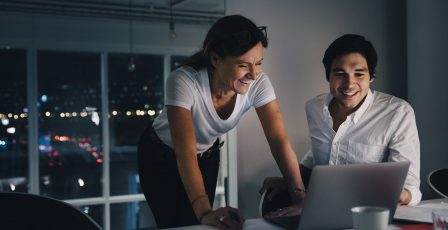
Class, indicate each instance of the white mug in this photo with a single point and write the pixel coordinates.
(370, 218)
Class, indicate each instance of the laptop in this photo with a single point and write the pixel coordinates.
(334, 189)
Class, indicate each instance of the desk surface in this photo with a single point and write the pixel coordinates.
(261, 224)
(254, 224)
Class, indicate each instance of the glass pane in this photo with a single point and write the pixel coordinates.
(70, 151)
(133, 215)
(177, 60)
(96, 212)
(135, 98)
(13, 121)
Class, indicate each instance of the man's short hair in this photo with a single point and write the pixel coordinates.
(350, 43)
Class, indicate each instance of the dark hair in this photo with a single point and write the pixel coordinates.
(231, 35)
(350, 43)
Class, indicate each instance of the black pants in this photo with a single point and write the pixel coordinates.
(162, 185)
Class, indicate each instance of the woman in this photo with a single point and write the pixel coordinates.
(204, 99)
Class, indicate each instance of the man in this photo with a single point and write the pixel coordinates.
(354, 124)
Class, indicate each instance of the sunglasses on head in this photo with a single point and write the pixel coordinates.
(244, 37)
(240, 39)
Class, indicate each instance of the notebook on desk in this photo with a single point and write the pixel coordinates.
(422, 212)
(334, 190)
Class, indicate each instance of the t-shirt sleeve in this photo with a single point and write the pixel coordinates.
(263, 91)
(179, 90)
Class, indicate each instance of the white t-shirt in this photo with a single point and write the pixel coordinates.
(382, 129)
(190, 89)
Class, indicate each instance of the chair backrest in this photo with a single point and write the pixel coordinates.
(438, 181)
(29, 211)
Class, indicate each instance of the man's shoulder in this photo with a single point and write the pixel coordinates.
(317, 100)
(315, 105)
(384, 100)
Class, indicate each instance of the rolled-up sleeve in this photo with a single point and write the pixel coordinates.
(405, 146)
(308, 160)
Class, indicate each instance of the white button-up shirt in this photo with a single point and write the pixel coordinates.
(382, 129)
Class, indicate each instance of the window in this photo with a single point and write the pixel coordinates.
(69, 106)
(177, 61)
(135, 98)
(13, 121)
(96, 212)
(131, 215)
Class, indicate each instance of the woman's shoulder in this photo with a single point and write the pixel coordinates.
(185, 71)
(186, 74)
(186, 77)
(262, 80)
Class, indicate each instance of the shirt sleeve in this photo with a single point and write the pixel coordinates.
(263, 91)
(179, 89)
(308, 159)
(405, 146)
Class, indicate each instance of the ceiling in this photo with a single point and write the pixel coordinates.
(182, 11)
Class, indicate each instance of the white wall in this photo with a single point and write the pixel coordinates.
(428, 79)
(299, 32)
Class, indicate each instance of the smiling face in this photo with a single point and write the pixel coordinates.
(237, 73)
(349, 81)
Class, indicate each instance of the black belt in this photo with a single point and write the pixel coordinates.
(215, 147)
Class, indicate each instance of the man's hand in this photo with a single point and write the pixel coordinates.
(293, 210)
(273, 186)
(405, 197)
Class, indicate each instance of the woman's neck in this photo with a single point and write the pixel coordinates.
(218, 89)
(223, 100)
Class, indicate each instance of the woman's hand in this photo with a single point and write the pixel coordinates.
(224, 218)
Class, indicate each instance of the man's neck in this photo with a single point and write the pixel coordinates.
(339, 112)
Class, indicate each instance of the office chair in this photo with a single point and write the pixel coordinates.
(24, 211)
(438, 181)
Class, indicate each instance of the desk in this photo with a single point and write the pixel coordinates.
(253, 224)
(407, 213)
(250, 224)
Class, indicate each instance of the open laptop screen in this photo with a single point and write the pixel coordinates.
(335, 189)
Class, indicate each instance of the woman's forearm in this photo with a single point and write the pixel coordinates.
(193, 183)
